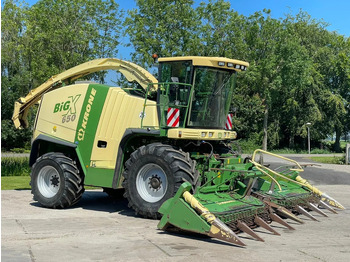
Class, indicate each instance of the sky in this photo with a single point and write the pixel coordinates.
(335, 13)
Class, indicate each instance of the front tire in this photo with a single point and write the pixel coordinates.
(56, 181)
(153, 174)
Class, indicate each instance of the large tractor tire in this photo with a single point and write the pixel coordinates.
(153, 174)
(56, 181)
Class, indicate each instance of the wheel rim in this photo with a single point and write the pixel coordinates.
(151, 183)
(48, 181)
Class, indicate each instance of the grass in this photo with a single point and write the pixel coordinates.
(339, 160)
(15, 182)
(287, 151)
(15, 173)
(22, 183)
(15, 166)
(344, 143)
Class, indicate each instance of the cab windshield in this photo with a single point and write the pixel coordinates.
(211, 98)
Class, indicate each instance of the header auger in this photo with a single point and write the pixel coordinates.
(166, 144)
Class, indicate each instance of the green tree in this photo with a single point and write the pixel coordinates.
(162, 27)
(14, 77)
(76, 32)
(48, 38)
(337, 81)
(220, 31)
(261, 37)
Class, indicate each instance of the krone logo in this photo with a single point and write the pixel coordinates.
(83, 125)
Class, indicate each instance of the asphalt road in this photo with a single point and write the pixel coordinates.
(99, 228)
(316, 173)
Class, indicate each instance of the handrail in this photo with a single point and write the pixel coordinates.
(261, 167)
(278, 156)
(164, 87)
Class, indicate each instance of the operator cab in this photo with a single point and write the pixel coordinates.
(199, 87)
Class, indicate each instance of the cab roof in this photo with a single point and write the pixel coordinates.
(218, 62)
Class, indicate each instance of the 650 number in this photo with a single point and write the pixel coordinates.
(68, 118)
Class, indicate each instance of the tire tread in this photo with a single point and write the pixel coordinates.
(73, 182)
(182, 167)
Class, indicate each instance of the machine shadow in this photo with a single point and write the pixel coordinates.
(97, 200)
(196, 236)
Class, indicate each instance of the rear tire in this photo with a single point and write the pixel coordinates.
(56, 181)
(153, 174)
